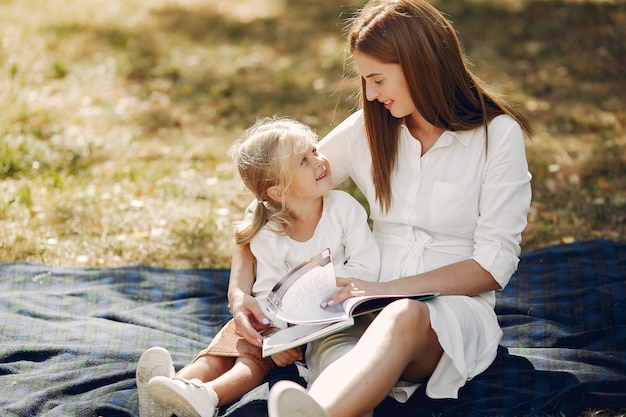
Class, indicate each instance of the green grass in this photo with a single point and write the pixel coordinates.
(117, 115)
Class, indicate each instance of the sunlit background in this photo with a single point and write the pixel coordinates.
(117, 115)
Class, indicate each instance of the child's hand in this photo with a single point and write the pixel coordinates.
(249, 318)
(287, 357)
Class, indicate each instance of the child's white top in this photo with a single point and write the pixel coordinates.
(342, 227)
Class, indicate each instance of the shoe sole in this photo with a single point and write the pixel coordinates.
(288, 399)
(171, 399)
(153, 362)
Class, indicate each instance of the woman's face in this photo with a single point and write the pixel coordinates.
(386, 83)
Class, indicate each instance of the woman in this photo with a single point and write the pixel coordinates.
(441, 161)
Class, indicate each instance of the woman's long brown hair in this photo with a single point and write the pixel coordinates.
(415, 35)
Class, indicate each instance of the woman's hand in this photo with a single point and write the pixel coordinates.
(249, 317)
(352, 287)
(287, 357)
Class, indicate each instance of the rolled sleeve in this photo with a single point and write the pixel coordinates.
(504, 203)
(499, 262)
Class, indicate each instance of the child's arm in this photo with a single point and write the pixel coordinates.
(287, 357)
(247, 313)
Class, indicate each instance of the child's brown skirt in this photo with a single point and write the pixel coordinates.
(229, 342)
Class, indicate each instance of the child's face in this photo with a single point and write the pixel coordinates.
(312, 177)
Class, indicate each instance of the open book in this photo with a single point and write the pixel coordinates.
(297, 297)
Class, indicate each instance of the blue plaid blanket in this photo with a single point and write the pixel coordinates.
(71, 338)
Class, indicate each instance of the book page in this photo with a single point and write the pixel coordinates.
(301, 303)
(300, 334)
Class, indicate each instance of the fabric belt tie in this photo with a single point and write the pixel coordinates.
(410, 250)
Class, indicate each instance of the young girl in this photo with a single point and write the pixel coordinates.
(295, 216)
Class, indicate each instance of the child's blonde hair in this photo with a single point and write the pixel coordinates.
(267, 155)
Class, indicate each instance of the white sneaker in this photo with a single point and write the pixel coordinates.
(155, 361)
(185, 398)
(288, 399)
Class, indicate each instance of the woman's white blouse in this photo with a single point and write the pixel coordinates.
(461, 199)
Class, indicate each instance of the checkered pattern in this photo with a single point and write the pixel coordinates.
(71, 338)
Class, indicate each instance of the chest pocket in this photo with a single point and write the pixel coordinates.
(454, 207)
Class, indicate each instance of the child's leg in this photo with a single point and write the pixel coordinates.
(245, 375)
(224, 371)
(208, 382)
(230, 378)
(207, 368)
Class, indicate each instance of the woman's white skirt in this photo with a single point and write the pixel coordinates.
(469, 333)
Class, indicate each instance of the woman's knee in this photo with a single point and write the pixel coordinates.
(406, 315)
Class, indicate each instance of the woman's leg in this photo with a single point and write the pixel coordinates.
(398, 343)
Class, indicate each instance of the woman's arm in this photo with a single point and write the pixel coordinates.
(461, 278)
(248, 316)
(362, 256)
